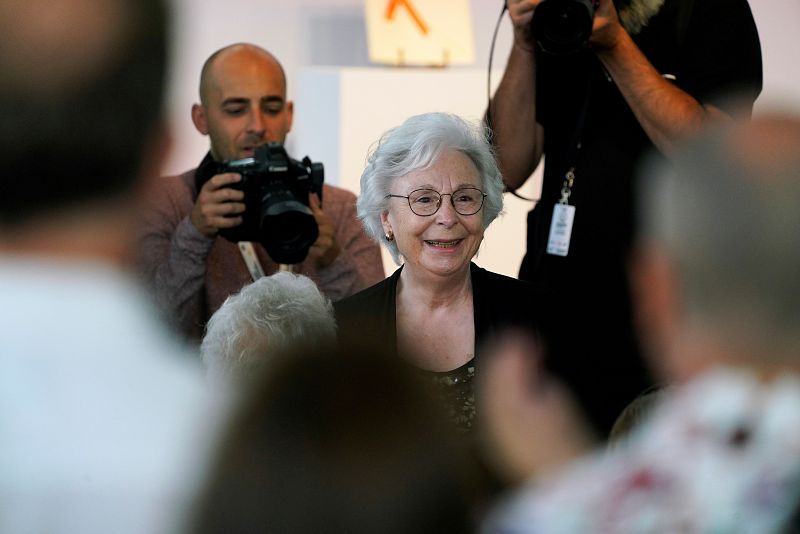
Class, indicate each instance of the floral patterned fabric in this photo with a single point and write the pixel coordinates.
(722, 454)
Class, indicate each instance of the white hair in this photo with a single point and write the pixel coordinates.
(271, 315)
(417, 144)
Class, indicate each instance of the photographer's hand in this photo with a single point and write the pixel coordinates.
(325, 249)
(606, 27)
(666, 113)
(521, 13)
(218, 206)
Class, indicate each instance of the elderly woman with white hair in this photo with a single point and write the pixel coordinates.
(274, 314)
(430, 189)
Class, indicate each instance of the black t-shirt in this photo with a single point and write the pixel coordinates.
(711, 50)
(587, 318)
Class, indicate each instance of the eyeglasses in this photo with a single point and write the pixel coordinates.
(426, 202)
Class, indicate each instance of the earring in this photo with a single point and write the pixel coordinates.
(389, 236)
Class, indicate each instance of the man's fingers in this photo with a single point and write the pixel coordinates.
(315, 204)
(221, 180)
(220, 196)
(225, 222)
(227, 208)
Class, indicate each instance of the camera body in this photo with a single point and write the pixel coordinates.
(563, 26)
(277, 212)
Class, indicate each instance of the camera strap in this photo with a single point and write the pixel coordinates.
(254, 264)
(564, 213)
(251, 260)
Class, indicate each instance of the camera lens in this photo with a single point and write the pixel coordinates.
(288, 228)
(562, 26)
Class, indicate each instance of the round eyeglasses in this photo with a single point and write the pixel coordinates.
(426, 202)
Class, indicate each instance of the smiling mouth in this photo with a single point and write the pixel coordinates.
(444, 244)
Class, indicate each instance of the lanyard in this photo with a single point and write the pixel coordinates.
(563, 213)
(254, 264)
(574, 148)
(251, 260)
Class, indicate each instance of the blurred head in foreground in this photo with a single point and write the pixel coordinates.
(337, 441)
(81, 101)
(274, 314)
(717, 272)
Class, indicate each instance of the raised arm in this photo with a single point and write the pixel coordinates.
(517, 136)
(666, 113)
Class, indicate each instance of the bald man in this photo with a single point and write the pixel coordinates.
(192, 269)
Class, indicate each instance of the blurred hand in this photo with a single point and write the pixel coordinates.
(606, 26)
(521, 13)
(529, 422)
(218, 206)
(325, 249)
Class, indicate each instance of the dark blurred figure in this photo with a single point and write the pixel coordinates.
(718, 296)
(100, 409)
(652, 73)
(339, 441)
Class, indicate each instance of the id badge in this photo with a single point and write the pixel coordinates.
(560, 230)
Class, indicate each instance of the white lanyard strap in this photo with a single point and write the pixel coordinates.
(251, 260)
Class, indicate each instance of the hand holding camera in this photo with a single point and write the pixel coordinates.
(521, 12)
(325, 249)
(218, 205)
(606, 26)
(562, 27)
(275, 210)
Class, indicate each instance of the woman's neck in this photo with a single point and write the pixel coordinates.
(432, 291)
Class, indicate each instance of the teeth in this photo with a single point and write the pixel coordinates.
(445, 244)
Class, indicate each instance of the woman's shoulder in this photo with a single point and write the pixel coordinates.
(493, 281)
(367, 299)
(501, 299)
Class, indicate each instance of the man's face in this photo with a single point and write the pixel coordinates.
(244, 104)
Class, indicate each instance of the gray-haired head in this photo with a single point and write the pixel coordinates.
(728, 215)
(414, 145)
(272, 315)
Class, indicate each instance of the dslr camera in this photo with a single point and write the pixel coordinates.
(277, 212)
(563, 26)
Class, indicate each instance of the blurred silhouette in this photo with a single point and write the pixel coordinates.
(719, 305)
(104, 419)
(339, 441)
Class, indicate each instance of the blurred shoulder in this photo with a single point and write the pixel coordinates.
(336, 194)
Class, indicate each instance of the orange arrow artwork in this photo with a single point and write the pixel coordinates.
(394, 4)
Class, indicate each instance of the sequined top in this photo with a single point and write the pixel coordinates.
(455, 390)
